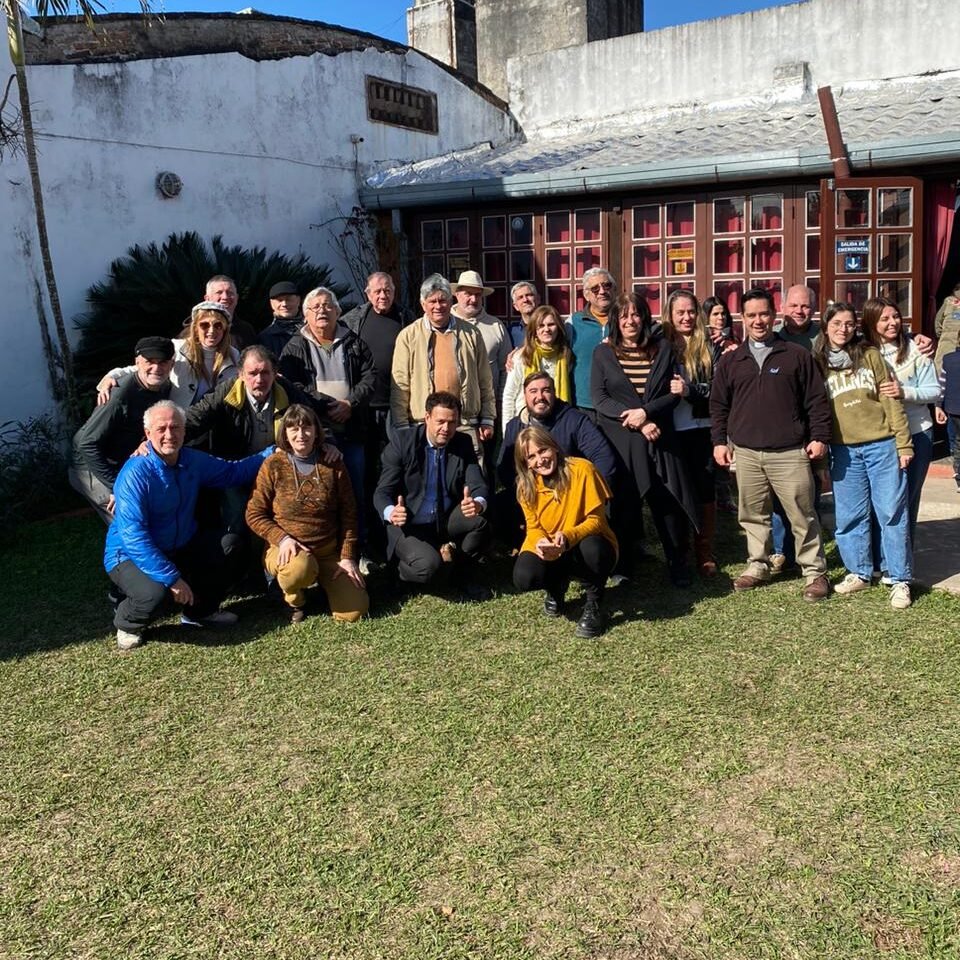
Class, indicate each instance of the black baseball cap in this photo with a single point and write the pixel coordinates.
(154, 348)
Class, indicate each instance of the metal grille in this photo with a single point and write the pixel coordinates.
(402, 106)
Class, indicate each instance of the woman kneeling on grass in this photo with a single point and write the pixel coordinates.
(869, 455)
(563, 501)
(307, 513)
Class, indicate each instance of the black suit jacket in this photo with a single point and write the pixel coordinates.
(403, 471)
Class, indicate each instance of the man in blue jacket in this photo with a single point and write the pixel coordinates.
(154, 548)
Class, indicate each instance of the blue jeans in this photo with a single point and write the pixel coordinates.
(868, 475)
(916, 474)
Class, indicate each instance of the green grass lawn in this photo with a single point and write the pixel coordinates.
(718, 776)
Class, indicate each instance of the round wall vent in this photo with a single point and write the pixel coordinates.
(169, 184)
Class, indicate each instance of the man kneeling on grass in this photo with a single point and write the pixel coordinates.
(154, 549)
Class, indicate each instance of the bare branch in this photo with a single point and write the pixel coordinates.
(11, 123)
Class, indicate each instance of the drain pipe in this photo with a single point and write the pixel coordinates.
(838, 152)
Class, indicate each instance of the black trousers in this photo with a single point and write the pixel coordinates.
(417, 550)
(591, 561)
(208, 563)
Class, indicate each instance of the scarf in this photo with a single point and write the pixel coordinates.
(838, 359)
(552, 355)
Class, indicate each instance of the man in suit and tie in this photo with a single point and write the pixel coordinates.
(432, 497)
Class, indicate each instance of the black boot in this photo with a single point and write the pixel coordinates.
(553, 598)
(552, 604)
(591, 620)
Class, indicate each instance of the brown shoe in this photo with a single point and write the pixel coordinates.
(297, 615)
(818, 589)
(746, 582)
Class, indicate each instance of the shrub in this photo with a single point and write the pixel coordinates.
(151, 290)
(34, 456)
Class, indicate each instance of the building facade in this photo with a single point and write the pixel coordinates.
(697, 157)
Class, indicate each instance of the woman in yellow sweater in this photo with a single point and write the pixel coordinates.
(869, 455)
(563, 501)
(307, 513)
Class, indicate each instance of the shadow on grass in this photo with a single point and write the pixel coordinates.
(54, 590)
(936, 555)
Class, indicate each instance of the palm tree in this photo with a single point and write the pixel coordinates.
(60, 367)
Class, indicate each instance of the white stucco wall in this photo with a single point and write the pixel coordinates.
(731, 58)
(263, 149)
(24, 386)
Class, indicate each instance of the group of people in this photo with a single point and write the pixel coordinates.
(336, 437)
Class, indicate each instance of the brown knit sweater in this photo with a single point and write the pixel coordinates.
(325, 512)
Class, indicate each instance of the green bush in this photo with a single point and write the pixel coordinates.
(151, 290)
(34, 456)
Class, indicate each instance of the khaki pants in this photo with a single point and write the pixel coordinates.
(347, 601)
(789, 475)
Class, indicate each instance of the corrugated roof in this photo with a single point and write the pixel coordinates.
(883, 122)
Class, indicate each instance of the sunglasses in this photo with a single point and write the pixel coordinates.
(206, 325)
(604, 285)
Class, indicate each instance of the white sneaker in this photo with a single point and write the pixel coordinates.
(777, 562)
(127, 640)
(900, 596)
(851, 583)
(221, 618)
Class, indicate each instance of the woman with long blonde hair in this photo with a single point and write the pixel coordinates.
(564, 504)
(685, 326)
(202, 360)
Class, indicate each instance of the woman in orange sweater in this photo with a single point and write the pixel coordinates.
(563, 501)
(307, 513)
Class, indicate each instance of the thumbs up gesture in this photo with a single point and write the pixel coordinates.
(398, 517)
(468, 506)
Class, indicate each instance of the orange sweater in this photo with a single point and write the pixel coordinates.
(326, 511)
(578, 515)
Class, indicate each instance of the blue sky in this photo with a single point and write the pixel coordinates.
(387, 18)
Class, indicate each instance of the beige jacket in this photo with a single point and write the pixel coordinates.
(412, 374)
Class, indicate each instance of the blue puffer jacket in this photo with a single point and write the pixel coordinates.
(156, 505)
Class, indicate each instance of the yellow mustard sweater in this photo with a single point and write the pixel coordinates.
(578, 515)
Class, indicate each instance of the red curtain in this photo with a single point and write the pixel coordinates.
(940, 202)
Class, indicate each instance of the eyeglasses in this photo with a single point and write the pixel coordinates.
(842, 324)
(321, 308)
(206, 325)
(603, 285)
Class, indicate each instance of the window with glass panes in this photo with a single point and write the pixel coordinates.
(873, 241)
(747, 246)
(445, 246)
(572, 245)
(507, 241)
(551, 249)
(663, 250)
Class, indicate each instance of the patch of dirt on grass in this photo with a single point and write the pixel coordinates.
(943, 869)
(619, 908)
(890, 934)
(735, 810)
